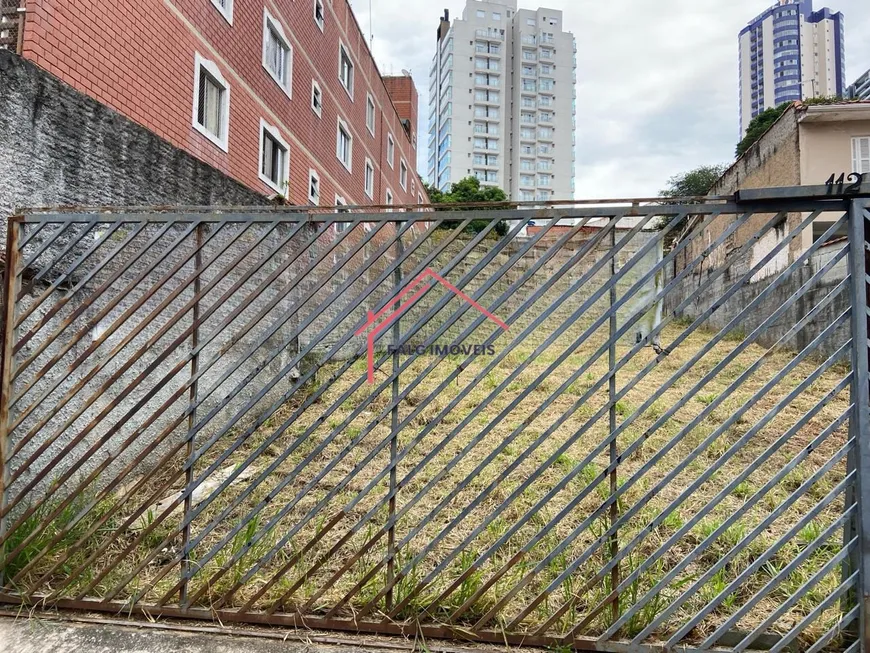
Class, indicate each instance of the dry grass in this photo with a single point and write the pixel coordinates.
(502, 426)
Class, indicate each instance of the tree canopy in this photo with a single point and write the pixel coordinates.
(696, 182)
(468, 191)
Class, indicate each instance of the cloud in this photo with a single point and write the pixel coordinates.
(657, 84)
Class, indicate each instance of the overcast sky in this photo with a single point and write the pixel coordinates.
(657, 82)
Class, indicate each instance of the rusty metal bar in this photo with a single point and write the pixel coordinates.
(11, 288)
(191, 418)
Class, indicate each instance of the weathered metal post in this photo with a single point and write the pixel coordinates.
(394, 423)
(860, 423)
(11, 288)
(611, 360)
(191, 417)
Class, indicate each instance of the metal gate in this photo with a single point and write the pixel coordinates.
(588, 426)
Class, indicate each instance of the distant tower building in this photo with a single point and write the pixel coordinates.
(790, 52)
(502, 101)
(860, 90)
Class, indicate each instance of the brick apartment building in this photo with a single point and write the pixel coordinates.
(282, 95)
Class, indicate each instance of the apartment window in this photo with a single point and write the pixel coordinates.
(403, 174)
(316, 98)
(529, 102)
(544, 180)
(344, 144)
(225, 7)
(526, 196)
(530, 22)
(318, 13)
(420, 198)
(527, 180)
(528, 118)
(526, 164)
(481, 13)
(543, 196)
(370, 179)
(546, 53)
(529, 71)
(546, 69)
(370, 114)
(543, 148)
(496, 15)
(345, 70)
(527, 149)
(545, 101)
(861, 154)
(313, 187)
(545, 132)
(546, 116)
(527, 134)
(391, 150)
(274, 159)
(277, 53)
(211, 108)
(389, 197)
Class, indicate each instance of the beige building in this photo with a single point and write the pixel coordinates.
(807, 145)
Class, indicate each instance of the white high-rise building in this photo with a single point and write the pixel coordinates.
(502, 101)
(790, 52)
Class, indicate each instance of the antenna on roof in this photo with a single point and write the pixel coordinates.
(371, 29)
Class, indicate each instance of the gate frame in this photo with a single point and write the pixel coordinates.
(856, 201)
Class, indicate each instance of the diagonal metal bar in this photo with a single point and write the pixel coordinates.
(332, 435)
(48, 242)
(563, 448)
(231, 317)
(25, 338)
(787, 639)
(725, 559)
(40, 424)
(530, 301)
(802, 557)
(600, 352)
(120, 295)
(167, 457)
(168, 324)
(630, 450)
(838, 629)
(542, 502)
(272, 409)
(63, 276)
(517, 431)
(672, 504)
(182, 363)
(745, 375)
(786, 605)
(453, 403)
(60, 302)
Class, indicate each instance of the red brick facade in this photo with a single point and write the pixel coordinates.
(138, 58)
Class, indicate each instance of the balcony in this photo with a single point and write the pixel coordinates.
(490, 34)
(529, 40)
(529, 89)
(545, 119)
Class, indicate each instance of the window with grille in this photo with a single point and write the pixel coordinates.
(212, 102)
(277, 53)
(345, 70)
(370, 114)
(274, 158)
(369, 179)
(344, 144)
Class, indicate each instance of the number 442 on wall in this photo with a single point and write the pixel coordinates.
(838, 184)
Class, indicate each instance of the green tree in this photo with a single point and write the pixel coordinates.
(759, 125)
(694, 183)
(468, 191)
